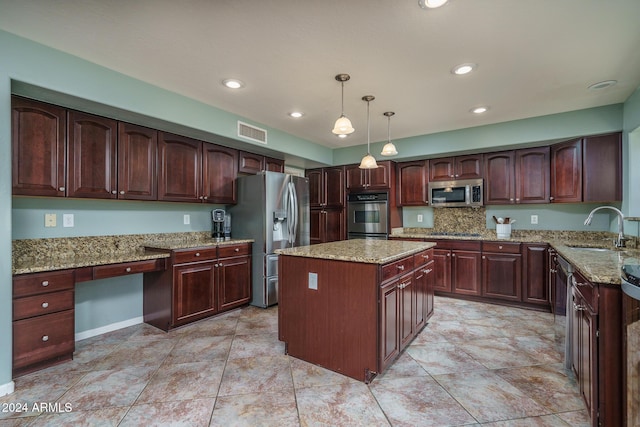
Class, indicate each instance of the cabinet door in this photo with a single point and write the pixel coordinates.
(441, 169)
(273, 165)
(316, 226)
(465, 272)
(389, 318)
(354, 177)
(468, 167)
(442, 270)
(407, 291)
(334, 187)
(420, 283)
(334, 225)
(532, 175)
(412, 183)
(430, 281)
(602, 168)
(379, 178)
(92, 156)
(250, 163)
(38, 143)
(137, 162)
(566, 172)
(584, 352)
(499, 178)
(180, 178)
(316, 187)
(219, 173)
(534, 274)
(234, 282)
(193, 292)
(502, 276)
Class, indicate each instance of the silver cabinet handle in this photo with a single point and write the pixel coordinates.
(45, 283)
(578, 307)
(61, 188)
(500, 247)
(551, 198)
(121, 191)
(237, 249)
(484, 257)
(206, 197)
(45, 304)
(197, 253)
(201, 197)
(114, 192)
(45, 338)
(401, 267)
(128, 269)
(425, 256)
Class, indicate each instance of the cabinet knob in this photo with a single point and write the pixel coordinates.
(45, 283)
(128, 269)
(237, 249)
(114, 192)
(45, 338)
(517, 199)
(221, 265)
(425, 256)
(401, 267)
(45, 304)
(551, 198)
(61, 188)
(121, 191)
(197, 253)
(484, 257)
(205, 197)
(511, 200)
(500, 247)
(201, 197)
(448, 254)
(453, 254)
(215, 265)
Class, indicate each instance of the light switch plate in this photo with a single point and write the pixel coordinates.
(50, 220)
(534, 219)
(187, 219)
(419, 217)
(313, 281)
(67, 220)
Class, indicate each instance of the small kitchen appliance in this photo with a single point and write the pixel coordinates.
(631, 343)
(457, 193)
(217, 224)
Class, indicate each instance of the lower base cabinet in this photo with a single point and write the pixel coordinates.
(199, 283)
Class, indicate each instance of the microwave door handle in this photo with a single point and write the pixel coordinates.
(467, 194)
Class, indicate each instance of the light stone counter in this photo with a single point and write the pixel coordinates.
(359, 250)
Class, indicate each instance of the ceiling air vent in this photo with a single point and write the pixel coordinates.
(251, 132)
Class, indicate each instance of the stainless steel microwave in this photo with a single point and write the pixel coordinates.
(455, 194)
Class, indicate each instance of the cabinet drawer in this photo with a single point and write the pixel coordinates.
(113, 270)
(226, 251)
(586, 289)
(422, 258)
(42, 338)
(42, 304)
(38, 283)
(501, 247)
(393, 269)
(195, 255)
(462, 245)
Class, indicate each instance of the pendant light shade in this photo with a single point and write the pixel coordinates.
(343, 124)
(389, 149)
(368, 161)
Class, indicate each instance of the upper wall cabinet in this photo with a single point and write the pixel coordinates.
(92, 159)
(137, 162)
(566, 172)
(460, 167)
(412, 183)
(326, 187)
(39, 149)
(219, 172)
(370, 179)
(251, 163)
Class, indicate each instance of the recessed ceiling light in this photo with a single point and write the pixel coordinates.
(296, 114)
(233, 83)
(431, 4)
(479, 110)
(603, 85)
(463, 69)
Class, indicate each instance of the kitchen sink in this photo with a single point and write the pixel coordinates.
(591, 249)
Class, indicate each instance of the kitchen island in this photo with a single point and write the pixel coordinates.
(352, 306)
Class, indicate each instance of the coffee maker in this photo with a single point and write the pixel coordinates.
(217, 224)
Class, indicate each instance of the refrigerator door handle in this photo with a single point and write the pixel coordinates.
(292, 213)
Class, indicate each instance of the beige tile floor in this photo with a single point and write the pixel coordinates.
(473, 364)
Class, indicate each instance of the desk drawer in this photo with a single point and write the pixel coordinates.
(113, 270)
(396, 268)
(42, 338)
(195, 255)
(38, 305)
(227, 251)
(38, 283)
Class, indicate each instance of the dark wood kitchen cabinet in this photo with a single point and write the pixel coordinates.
(43, 320)
(251, 163)
(137, 162)
(195, 171)
(535, 280)
(460, 167)
(327, 203)
(566, 172)
(517, 176)
(38, 143)
(199, 283)
(502, 271)
(326, 225)
(423, 278)
(381, 178)
(412, 183)
(457, 267)
(442, 270)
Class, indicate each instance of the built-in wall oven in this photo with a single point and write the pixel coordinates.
(631, 342)
(367, 216)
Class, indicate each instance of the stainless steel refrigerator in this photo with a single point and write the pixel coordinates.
(272, 209)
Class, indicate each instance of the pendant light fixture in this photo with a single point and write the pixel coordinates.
(389, 149)
(368, 161)
(343, 124)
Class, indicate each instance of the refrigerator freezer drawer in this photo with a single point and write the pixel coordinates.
(271, 263)
(272, 290)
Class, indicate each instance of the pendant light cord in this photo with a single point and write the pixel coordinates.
(368, 130)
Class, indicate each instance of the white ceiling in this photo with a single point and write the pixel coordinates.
(535, 57)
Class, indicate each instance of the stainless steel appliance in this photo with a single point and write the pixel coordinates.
(368, 216)
(459, 193)
(631, 342)
(561, 306)
(272, 209)
(217, 224)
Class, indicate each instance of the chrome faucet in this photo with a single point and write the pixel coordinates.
(619, 242)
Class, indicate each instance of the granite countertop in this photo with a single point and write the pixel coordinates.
(359, 250)
(39, 255)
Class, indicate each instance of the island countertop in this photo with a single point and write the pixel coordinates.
(360, 250)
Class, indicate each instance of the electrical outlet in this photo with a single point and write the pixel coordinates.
(50, 220)
(187, 219)
(67, 220)
(313, 281)
(534, 219)
(419, 217)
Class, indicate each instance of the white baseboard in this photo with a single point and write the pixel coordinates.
(7, 388)
(108, 328)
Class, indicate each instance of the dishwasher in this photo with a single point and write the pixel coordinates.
(564, 292)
